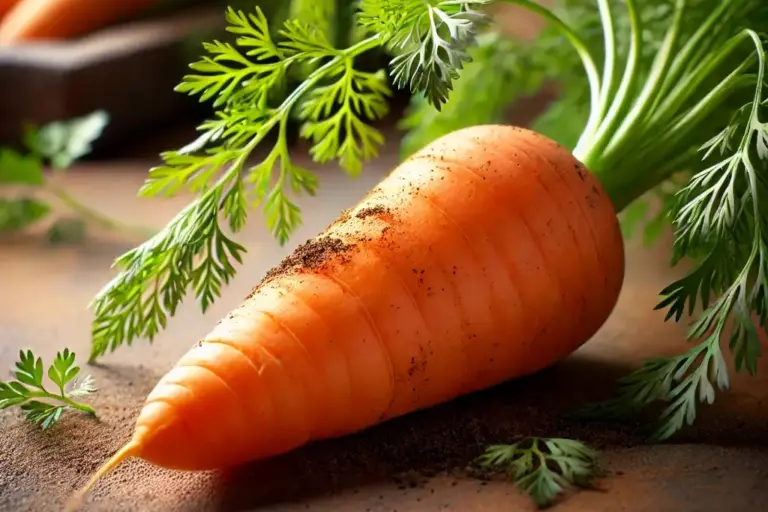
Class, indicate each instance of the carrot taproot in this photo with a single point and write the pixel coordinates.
(490, 254)
(63, 19)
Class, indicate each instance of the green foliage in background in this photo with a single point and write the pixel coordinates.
(28, 391)
(58, 145)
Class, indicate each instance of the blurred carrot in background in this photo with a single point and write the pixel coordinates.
(5, 6)
(61, 19)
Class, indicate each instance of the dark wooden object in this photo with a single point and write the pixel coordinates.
(129, 70)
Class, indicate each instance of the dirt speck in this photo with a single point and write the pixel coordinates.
(310, 255)
(371, 211)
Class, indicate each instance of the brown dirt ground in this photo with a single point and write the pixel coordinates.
(415, 463)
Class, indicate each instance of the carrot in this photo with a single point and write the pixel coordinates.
(5, 6)
(490, 254)
(63, 19)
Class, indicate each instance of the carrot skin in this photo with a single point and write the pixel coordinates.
(5, 6)
(489, 255)
(496, 255)
(30, 20)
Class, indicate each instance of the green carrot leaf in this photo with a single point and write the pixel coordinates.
(81, 387)
(336, 104)
(29, 370)
(43, 414)
(544, 467)
(19, 213)
(63, 142)
(501, 70)
(431, 47)
(28, 391)
(66, 230)
(335, 117)
(63, 369)
(18, 169)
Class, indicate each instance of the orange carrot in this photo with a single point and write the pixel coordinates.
(64, 19)
(488, 255)
(5, 6)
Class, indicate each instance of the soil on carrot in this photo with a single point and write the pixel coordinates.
(370, 211)
(318, 251)
(310, 255)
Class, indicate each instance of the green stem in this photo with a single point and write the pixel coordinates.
(351, 52)
(619, 106)
(756, 102)
(682, 92)
(281, 112)
(625, 187)
(609, 35)
(653, 84)
(94, 215)
(752, 173)
(666, 130)
(687, 123)
(586, 58)
(75, 405)
(288, 103)
(686, 55)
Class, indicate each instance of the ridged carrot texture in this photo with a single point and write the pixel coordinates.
(490, 254)
(63, 19)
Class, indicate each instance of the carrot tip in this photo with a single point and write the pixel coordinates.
(128, 450)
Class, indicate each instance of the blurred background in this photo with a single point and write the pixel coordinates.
(128, 59)
(125, 61)
(88, 86)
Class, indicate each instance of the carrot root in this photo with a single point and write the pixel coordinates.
(130, 449)
(488, 255)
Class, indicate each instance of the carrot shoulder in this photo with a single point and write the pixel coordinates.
(488, 255)
(63, 19)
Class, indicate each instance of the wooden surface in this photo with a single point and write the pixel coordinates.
(129, 69)
(720, 465)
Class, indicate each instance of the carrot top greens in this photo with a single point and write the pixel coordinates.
(28, 391)
(673, 110)
(336, 104)
(544, 467)
(689, 116)
(58, 144)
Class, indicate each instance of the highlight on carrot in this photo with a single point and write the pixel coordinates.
(490, 253)
(29, 20)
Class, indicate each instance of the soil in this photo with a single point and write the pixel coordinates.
(371, 211)
(421, 462)
(311, 255)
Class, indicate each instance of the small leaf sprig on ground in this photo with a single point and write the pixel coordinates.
(37, 403)
(60, 143)
(543, 468)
